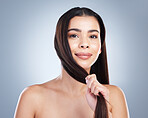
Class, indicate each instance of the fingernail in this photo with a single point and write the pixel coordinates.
(86, 81)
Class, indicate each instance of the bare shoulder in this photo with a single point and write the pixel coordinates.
(115, 93)
(115, 90)
(118, 102)
(37, 91)
(31, 99)
(31, 92)
(40, 89)
(26, 103)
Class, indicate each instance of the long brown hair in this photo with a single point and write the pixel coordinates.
(99, 68)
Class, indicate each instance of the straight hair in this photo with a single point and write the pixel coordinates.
(99, 68)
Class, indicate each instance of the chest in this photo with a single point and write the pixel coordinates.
(63, 107)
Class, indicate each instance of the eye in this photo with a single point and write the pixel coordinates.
(93, 36)
(73, 36)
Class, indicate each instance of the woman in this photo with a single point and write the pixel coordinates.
(82, 90)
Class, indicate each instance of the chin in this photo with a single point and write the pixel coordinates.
(86, 66)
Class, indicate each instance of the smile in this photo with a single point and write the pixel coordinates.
(83, 56)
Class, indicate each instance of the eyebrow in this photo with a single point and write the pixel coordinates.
(78, 30)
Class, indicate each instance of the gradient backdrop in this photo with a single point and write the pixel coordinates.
(27, 54)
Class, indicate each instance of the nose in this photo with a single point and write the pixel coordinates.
(84, 46)
(84, 43)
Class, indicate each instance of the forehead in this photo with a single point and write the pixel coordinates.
(84, 22)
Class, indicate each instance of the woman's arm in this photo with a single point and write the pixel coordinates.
(26, 104)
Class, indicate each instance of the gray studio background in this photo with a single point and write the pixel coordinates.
(27, 54)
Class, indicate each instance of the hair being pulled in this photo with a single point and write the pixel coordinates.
(69, 64)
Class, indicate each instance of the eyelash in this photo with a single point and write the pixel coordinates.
(93, 36)
(75, 36)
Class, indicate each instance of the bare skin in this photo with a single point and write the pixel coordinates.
(57, 99)
(64, 97)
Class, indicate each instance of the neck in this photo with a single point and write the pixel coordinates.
(70, 85)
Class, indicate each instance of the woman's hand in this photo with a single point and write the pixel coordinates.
(93, 89)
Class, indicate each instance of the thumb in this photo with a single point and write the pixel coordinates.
(89, 93)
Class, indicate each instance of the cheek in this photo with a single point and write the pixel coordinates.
(72, 44)
(96, 47)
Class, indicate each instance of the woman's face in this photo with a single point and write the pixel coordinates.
(84, 40)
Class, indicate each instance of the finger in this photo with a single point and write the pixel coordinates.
(93, 85)
(88, 90)
(103, 91)
(89, 82)
(97, 90)
(91, 76)
(90, 79)
(92, 82)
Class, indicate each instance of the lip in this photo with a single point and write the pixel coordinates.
(83, 55)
